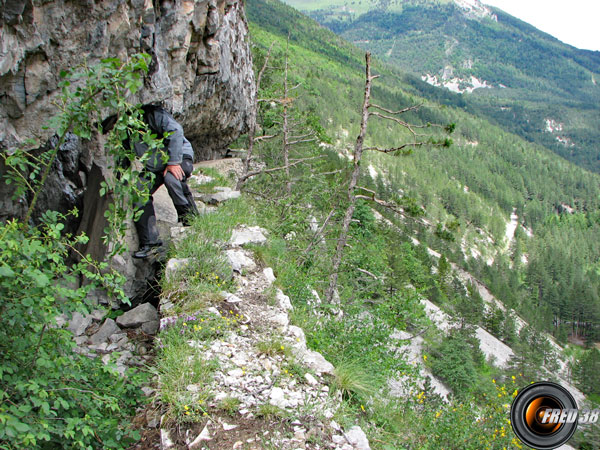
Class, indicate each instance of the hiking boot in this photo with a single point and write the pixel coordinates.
(147, 250)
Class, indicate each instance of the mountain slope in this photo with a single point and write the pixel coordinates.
(518, 77)
(487, 176)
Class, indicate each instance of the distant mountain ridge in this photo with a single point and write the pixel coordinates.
(504, 69)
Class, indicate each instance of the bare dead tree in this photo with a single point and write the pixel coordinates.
(252, 131)
(418, 140)
(287, 123)
(358, 150)
(286, 100)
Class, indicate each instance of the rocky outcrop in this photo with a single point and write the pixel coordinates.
(201, 65)
(201, 70)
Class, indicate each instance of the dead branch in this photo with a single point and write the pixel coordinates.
(265, 137)
(366, 272)
(396, 149)
(402, 111)
(302, 141)
(275, 169)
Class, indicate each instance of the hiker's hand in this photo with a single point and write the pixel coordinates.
(176, 170)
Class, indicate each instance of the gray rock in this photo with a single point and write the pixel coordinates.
(118, 338)
(138, 316)
(151, 327)
(314, 360)
(238, 261)
(219, 197)
(357, 438)
(248, 235)
(284, 300)
(80, 340)
(79, 323)
(174, 265)
(108, 328)
(98, 314)
(178, 233)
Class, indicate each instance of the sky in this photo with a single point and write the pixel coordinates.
(574, 22)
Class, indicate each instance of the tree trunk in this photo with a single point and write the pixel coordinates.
(358, 150)
(286, 130)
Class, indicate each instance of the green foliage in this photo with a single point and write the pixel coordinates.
(179, 364)
(534, 76)
(453, 362)
(51, 395)
(354, 380)
(587, 372)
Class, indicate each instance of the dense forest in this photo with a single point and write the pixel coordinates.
(532, 77)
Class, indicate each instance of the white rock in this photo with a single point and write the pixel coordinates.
(201, 178)
(357, 437)
(203, 436)
(165, 439)
(310, 379)
(237, 373)
(284, 300)
(248, 235)
(315, 294)
(214, 311)
(314, 360)
(238, 261)
(269, 275)
(230, 298)
(298, 335)
(280, 319)
(277, 398)
(338, 440)
(228, 427)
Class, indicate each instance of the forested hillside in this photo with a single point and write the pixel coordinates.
(525, 81)
(486, 175)
(517, 217)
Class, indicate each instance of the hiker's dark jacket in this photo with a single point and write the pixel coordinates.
(176, 145)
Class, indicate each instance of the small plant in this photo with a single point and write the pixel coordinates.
(352, 379)
(270, 412)
(229, 405)
(272, 347)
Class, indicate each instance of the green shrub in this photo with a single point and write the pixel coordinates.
(50, 395)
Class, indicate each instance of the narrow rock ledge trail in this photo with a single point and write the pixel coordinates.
(301, 402)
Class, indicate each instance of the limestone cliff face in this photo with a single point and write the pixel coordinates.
(201, 67)
(201, 70)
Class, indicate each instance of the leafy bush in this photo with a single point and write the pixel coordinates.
(50, 395)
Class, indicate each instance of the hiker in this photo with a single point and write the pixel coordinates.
(173, 174)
